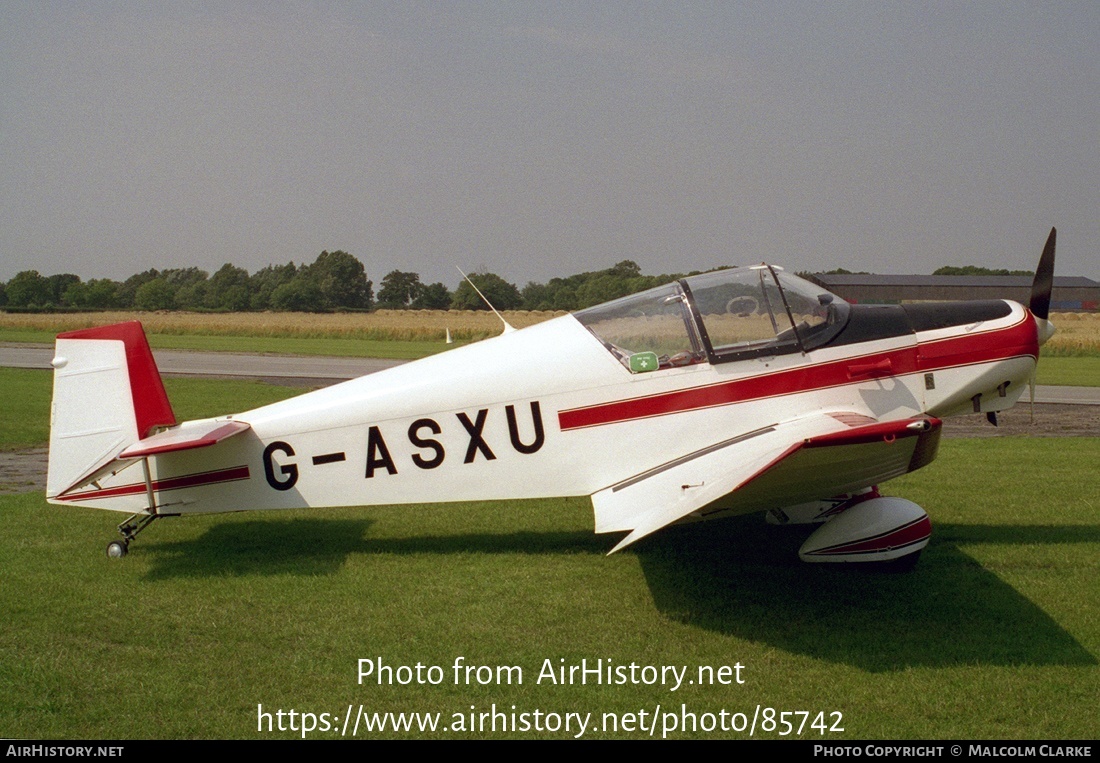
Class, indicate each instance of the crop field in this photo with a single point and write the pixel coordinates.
(383, 325)
(1078, 335)
(213, 625)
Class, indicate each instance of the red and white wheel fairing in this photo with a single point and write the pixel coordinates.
(878, 530)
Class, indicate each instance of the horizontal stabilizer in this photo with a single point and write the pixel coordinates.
(190, 435)
(197, 434)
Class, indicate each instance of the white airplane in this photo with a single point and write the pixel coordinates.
(730, 392)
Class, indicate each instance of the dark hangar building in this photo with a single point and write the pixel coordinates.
(1070, 292)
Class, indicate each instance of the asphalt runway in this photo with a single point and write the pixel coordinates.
(318, 370)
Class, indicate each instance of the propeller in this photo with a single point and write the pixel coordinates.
(1041, 288)
(1044, 279)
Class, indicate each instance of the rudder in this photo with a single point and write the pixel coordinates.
(107, 395)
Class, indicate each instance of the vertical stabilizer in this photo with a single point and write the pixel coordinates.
(107, 394)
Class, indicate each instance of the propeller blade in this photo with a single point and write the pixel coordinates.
(1044, 280)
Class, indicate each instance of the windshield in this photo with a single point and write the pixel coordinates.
(742, 309)
(818, 315)
(647, 331)
(719, 316)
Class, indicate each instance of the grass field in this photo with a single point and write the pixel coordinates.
(1069, 371)
(995, 635)
(25, 407)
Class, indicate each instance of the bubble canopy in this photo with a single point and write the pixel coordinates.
(717, 317)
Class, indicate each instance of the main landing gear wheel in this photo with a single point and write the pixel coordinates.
(117, 549)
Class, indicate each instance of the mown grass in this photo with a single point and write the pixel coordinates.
(1069, 371)
(995, 634)
(25, 402)
(24, 408)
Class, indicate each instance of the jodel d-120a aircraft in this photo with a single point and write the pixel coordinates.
(734, 391)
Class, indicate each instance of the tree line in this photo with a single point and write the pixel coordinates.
(334, 281)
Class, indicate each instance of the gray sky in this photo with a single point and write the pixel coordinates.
(543, 139)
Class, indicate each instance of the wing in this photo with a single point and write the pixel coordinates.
(787, 463)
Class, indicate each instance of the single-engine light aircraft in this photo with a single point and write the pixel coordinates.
(734, 391)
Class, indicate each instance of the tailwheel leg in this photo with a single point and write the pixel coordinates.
(129, 529)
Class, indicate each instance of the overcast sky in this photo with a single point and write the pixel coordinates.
(543, 139)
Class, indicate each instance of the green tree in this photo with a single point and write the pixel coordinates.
(228, 289)
(192, 296)
(190, 285)
(301, 294)
(180, 277)
(399, 290)
(974, 270)
(98, 292)
(127, 290)
(565, 298)
(59, 284)
(434, 296)
(156, 294)
(590, 288)
(603, 287)
(342, 280)
(265, 281)
(29, 288)
(537, 296)
(102, 292)
(503, 295)
(625, 269)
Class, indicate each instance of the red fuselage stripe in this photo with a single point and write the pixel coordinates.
(1018, 340)
(219, 476)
